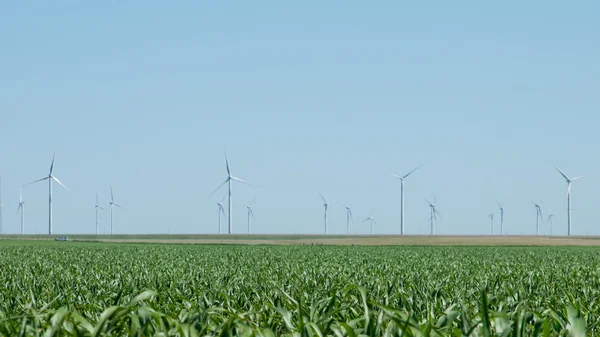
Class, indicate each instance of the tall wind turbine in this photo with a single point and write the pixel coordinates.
(98, 208)
(250, 213)
(569, 181)
(326, 205)
(50, 177)
(228, 181)
(21, 209)
(491, 216)
(112, 205)
(434, 214)
(372, 220)
(550, 220)
(348, 218)
(402, 196)
(538, 216)
(501, 217)
(221, 210)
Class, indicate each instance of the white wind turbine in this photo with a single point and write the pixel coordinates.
(434, 214)
(98, 209)
(50, 177)
(250, 213)
(402, 195)
(538, 216)
(112, 205)
(228, 181)
(372, 220)
(21, 209)
(348, 218)
(221, 210)
(491, 216)
(550, 220)
(325, 205)
(569, 181)
(501, 217)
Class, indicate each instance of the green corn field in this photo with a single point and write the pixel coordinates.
(103, 289)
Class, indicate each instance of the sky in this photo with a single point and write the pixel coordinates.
(305, 97)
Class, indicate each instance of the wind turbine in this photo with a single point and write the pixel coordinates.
(371, 219)
(538, 215)
(221, 210)
(112, 205)
(250, 213)
(21, 208)
(550, 220)
(501, 217)
(98, 208)
(50, 177)
(402, 195)
(491, 216)
(325, 204)
(228, 182)
(569, 181)
(434, 214)
(348, 218)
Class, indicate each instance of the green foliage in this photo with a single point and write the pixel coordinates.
(75, 289)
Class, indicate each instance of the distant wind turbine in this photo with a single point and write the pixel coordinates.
(50, 177)
(372, 221)
(402, 195)
(569, 181)
(434, 214)
(98, 208)
(326, 205)
(491, 216)
(348, 218)
(501, 217)
(221, 210)
(112, 205)
(550, 220)
(538, 216)
(228, 182)
(21, 209)
(250, 213)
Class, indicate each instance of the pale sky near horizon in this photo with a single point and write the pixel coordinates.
(305, 97)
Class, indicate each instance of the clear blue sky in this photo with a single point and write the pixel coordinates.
(306, 97)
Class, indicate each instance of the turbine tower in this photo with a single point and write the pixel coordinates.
(21, 209)
(550, 220)
(491, 216)
(221, 210)
(569, 181)
(326, 205)
(50, 177)
(538, 216)
(402, 196)
(501, 217)
(434, 214)
(250, 213)
(372, 220)
(228, 182)
(348, 218)
(112, 205)
(98, 209)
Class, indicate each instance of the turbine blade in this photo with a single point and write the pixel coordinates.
(561, 172)
(416, 168)
(112, 197)
(576, 178)
(218, 188)
(33, 182)
(322, 197)
(227, 164)
(118, 206)
(427, 201)
(367, 219)
(52, 165)
(252, 213)
(19, 208)
(242, 181)
(395, 175)
(499, 204)
(58, 181)
(252, 202)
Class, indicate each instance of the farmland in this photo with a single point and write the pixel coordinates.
(85, 289)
